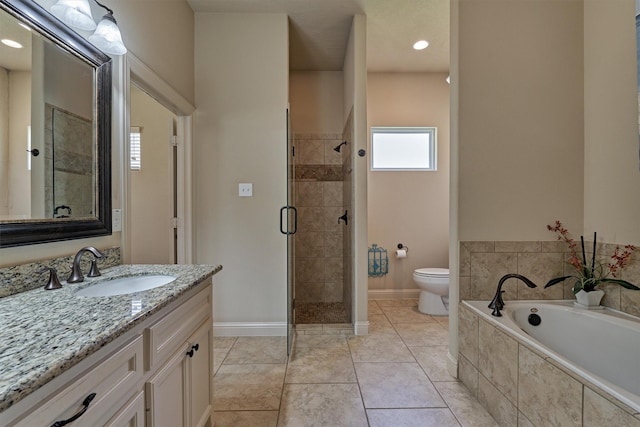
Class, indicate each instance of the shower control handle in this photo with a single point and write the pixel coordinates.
(344, 218)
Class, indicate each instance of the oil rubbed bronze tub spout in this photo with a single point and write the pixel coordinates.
(497, 303)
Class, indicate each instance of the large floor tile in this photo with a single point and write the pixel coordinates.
(250, 350)
(436, 417)
(406, 315)
(335, 405)
(320, 365)
(248, 387)
(373, 308)
(218, 357)
(396, 385)
(224, 343)
(327, 341)
(402, 302)
(433, 361)
(379, 324)
(464, 406)
(379, 348)
(422, 334)
(246, 418)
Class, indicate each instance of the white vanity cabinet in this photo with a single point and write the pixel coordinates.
(180, 392)
(157, 374)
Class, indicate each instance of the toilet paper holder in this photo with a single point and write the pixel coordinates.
(403, 247)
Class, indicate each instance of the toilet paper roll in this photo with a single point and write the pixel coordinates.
(401, 253)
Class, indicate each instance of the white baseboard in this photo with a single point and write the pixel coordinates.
(361, 328)
(249, 329)
(452, 365)
(393, 293)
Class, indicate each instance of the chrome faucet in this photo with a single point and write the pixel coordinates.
(76, 272)
(497, 303)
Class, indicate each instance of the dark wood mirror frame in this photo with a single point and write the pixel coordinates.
(50, 230)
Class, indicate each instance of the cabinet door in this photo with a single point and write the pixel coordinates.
(166, 393)
(130, 415)
(200, 375)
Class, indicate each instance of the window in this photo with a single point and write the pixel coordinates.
(134, 149)
(403, 149)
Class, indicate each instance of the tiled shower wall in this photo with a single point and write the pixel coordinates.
(319, 200)
(482, 264)
(69, 154)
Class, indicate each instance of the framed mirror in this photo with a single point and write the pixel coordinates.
(55, 131)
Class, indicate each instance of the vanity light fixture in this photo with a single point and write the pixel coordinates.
(11, 43)
(77, 14)
(107, 37)
(420, 45)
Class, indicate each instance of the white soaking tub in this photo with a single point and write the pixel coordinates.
(602, 346)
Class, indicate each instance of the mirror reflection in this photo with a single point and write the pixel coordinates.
(48, 157)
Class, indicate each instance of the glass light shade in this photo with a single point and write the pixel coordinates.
(107, 37)
(76, 13)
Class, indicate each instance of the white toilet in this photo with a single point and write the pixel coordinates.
(434, 289)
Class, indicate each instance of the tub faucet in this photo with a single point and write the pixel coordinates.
(76, 272)
(497, 303)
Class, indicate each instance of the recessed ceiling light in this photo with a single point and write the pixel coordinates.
(421, 44)
(11, 43)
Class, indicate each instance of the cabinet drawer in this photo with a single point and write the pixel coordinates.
(130, 415)
(110, 380)
(165, 336)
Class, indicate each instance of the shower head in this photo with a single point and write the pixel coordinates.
(337, 149)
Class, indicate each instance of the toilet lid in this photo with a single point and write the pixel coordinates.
(433, 272)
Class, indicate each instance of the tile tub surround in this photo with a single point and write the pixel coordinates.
(520, 386)
(26, 277)
(59, 329)
(482, 264)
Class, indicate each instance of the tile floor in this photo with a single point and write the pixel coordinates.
(395, 376)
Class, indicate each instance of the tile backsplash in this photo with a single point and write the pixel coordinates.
(483, 263)
(25, 277)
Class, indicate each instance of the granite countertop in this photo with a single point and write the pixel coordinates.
(44, 333)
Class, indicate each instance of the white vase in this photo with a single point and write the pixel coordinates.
(589, 299)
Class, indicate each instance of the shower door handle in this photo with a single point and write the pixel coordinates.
(295, 220)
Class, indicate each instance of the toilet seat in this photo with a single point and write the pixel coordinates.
(432, 272)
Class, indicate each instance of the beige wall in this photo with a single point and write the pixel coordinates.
(4, 141)
(316, 101)
(241, 137)
(151, 205)
(161, 35)
(411, 208)
(612, 166)
(19, 175)
(355, 103)
(521, 126)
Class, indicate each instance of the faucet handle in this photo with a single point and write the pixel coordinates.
(93, 271)
(53, 282)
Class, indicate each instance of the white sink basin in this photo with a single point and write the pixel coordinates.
(125, 285)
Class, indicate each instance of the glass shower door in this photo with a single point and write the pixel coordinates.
(291, 215)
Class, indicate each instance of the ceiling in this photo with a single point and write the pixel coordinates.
(319, 31)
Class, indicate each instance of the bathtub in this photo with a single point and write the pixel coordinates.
(600, 346)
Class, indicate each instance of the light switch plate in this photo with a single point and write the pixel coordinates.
(116, 220)
(245, 189)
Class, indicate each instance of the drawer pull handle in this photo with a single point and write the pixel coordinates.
(85, 406)
(194, 348)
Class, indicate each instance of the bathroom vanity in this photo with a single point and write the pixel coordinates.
(141, 358)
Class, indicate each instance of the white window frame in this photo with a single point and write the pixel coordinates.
(431, 133)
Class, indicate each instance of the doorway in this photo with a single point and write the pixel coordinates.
(153, 181)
